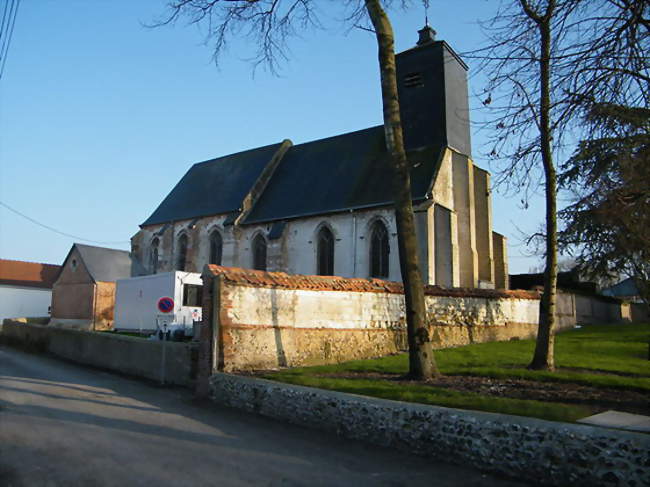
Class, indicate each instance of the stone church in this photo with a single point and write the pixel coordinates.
(324, 207)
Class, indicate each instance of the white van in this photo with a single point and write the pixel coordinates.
(136, 302)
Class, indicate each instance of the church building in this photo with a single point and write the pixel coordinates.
(325, 207)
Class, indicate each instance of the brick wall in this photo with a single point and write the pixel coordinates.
(264, 320)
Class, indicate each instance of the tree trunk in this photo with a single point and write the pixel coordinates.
(544, 357)
(422, 363)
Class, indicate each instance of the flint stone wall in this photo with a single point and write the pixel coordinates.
(541, 452)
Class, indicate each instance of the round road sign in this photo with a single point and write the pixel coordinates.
(166, 304)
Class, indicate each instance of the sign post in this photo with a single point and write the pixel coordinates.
(165, 305)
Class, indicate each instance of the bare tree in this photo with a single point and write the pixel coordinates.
(271, 23)
(545, 60)
(518, 63)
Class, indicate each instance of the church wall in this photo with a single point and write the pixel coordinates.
(464, 207)
(294, 252)
(444, 272)
(459, 193)
(483, 219)
(426, 242)
(501, 277)
(446, 261)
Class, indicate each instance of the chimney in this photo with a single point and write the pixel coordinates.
(432, 87)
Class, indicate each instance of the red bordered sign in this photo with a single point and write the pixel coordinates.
(166, 304)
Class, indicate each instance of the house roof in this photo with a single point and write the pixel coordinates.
(339, 173)
(28, 274)
(104, 264)
(626, 287)
(334, 174)
(214, 187)
(567, 280)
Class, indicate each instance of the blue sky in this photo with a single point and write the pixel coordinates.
(100, 116)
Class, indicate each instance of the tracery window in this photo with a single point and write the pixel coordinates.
(153, 255)
(259, 253)
(325, 252)
(379, 250)
(181, 260)
(216, 248)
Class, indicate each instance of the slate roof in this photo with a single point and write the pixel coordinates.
(214, 187)
(626, 287)
(104, 264)
(567, 280)
(339, 173)
(28, 274)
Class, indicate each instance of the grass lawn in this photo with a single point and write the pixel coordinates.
(599, 356)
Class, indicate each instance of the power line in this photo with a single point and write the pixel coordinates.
(11, 22)
(4, 17)
(75, 237)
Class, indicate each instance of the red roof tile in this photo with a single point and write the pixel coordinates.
(238, 275)
(28, 274)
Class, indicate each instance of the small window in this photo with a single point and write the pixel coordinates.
(259, 253)
(379, 250)
(192, 295)
(325, 252)
(153, 257)
(181, 261)
(216, 248)
(74, 264)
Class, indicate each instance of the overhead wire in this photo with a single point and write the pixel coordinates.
(4, 16)
(8, 28)
(8, 7)
(52, 229)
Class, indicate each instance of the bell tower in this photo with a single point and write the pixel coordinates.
(432, 88)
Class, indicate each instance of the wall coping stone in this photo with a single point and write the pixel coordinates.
(282, 280)
(535, 450)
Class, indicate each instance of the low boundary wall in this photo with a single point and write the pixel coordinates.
(541, 452)
(256, 320)
(119, 353)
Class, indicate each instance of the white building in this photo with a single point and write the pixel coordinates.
(325, 207)
(26, 288)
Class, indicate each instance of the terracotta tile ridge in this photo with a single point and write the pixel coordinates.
(252, 277)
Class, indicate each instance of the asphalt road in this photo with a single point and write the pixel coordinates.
(66, 425)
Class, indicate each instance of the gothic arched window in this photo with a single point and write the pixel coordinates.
(325, 252)
(379, 250)
(259, 253)
(153, 255)
(181, 260)
(216, 248)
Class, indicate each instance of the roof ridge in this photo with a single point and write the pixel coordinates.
(214, 159)
(102, 248)
(28, 262)
(367, 129)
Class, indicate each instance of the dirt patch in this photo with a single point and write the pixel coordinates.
(598, 398)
